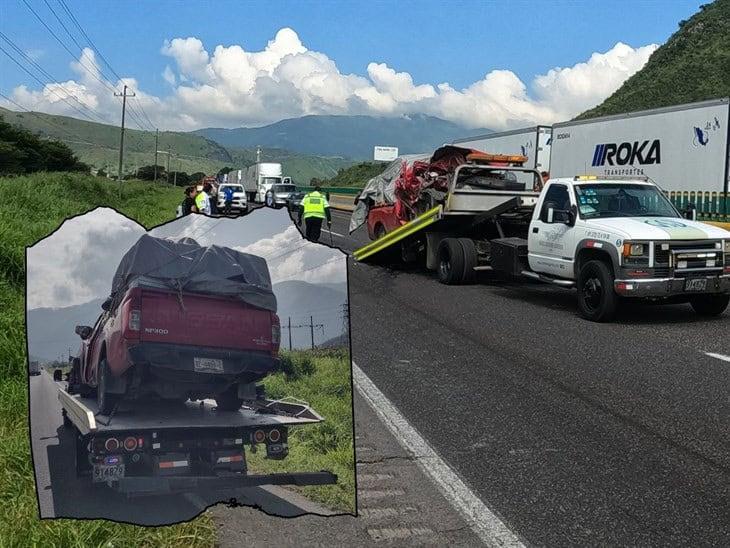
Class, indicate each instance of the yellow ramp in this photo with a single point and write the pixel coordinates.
(400, 233)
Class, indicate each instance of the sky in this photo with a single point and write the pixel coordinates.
(496, 64)
(76, 263)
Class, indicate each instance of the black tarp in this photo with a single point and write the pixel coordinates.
(186, 266)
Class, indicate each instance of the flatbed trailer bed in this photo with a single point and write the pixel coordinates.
(182, 447)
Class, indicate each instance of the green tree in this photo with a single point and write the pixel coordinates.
(183, 179)
(197, 177)
(147, 173)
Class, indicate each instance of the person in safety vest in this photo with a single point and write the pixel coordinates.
(314, 209)
(202, 200)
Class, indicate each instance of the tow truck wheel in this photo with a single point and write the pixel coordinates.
(451, 261)
(470, 259)
(710, 305)
(229, 400)
(104, 399)
(596, 298)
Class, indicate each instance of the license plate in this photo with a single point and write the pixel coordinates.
(698, 284)
(208, 365)
(108, 473)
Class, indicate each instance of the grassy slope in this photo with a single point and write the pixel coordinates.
(26, 216)
(192, 152)
(321, 378)
(356, 175)
(693, 65)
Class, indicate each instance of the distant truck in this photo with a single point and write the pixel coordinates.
(183, 322)
(683, 147)
(258, 179)
(534, 143)
(34, 368)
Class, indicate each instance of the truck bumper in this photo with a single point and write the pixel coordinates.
(155, 485)
(181, 363)
(670, 287)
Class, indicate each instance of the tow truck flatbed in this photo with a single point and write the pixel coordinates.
(177, 447)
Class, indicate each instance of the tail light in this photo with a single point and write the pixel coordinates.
(130, 443)
(275, 332)
(111, 444)
(274, 436)
(135, 317)
(259, 436)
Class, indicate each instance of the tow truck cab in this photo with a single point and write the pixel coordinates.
(623, 237)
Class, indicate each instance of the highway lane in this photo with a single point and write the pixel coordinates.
(62, 494)
(573, 432)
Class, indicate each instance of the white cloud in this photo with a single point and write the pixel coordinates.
(231, 87)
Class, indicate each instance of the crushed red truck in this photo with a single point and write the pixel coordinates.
(184, 324)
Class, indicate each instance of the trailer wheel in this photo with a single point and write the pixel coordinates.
(470, 259)
(450, 261)
(105, 400)
(229, 400)
(597, 300)
(710, 305)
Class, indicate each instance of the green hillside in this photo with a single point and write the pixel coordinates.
(98, 146)
(356, 175)
(693, 65)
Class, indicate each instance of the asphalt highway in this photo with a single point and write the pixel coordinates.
(574, 433)
(62, 494)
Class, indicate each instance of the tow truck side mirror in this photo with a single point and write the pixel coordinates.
(690, 213)
(83, 331)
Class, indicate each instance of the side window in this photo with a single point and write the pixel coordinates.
(557, 197)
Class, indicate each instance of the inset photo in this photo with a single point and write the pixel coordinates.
(204, 361)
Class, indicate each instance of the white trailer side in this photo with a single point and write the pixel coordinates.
(533, 142)
(682, 148)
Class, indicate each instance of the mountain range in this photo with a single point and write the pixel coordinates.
(346, 136)
(51, 330)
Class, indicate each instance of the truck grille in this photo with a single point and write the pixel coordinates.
(688, 258)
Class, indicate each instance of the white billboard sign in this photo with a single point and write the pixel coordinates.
(385, 154)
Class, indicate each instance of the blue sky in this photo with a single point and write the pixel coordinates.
(434, 42)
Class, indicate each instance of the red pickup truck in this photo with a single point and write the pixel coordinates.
(183, 322)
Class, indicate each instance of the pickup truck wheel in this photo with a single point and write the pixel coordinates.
(596, 298)
(379, 231)
(470, 259)
(710, 305)
(450, 261)
(104, 399)
(229, 400)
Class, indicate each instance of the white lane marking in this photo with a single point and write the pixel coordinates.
(482, 521)
(333, 232)
(718, 356)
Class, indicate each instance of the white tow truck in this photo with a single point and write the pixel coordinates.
(610, 238)
(160, 447)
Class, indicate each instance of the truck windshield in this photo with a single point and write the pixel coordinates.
(236, 188)
(600, 201)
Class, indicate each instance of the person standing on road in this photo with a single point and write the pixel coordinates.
(202, 200)
(314, 209)
(228, 197)
(188, 205)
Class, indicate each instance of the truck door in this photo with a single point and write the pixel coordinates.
(550, 241)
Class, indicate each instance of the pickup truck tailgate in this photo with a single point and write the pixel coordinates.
(204, 320)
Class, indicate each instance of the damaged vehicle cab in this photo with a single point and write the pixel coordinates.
(183, 322)
(618, 237)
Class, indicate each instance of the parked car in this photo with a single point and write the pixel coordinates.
(295, 200)
(278, 195)
(183, 321)
(239, 197)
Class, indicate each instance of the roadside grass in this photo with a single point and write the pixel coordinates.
(33, 206)
(322, 379)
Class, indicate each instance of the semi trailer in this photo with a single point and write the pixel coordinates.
(611, 238)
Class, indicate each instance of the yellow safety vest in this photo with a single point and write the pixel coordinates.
(314, 205)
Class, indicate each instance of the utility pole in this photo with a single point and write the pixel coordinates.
(258, 154)
(290, 333)
(157, 135)
(124, 96)
(168, 164)
(311, 329)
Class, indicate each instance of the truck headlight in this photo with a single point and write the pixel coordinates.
(634, 250)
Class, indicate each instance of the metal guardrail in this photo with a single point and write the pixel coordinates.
(711, 206)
